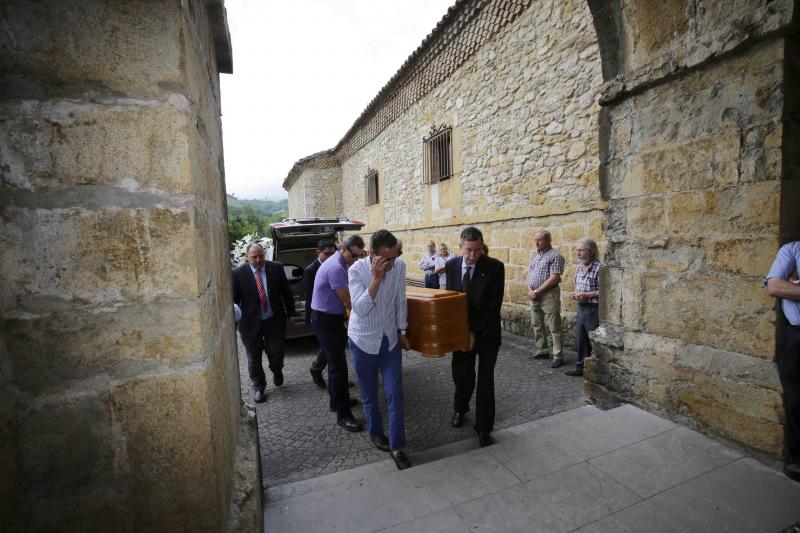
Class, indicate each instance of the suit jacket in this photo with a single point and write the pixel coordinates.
(485, 297)
(245, 295)
(309, 275)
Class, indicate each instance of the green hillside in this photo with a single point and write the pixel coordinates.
(253, 217)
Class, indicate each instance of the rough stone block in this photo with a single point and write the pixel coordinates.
(646, 218)
(94, 257)
(48, 353)
(122, 47)
(69, 469)
(164, 423)
(132, 148)
(747, 257)
(741, 320)
(519, 256)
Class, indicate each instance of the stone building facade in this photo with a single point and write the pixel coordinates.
(120, 402)
(665, 131)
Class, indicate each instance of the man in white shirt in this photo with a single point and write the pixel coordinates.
(428, 264)
(442, 257)
(377, 332)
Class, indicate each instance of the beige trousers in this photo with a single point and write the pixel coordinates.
(546, 318)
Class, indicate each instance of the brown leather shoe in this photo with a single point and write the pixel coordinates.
(574, 372)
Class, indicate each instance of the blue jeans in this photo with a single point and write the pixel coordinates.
(390, 364)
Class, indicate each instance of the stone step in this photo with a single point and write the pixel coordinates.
(581, 468)
(370, 471)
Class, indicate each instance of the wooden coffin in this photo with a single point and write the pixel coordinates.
(437, 321)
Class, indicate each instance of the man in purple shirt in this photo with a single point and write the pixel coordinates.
(782, 283)
(329, 302)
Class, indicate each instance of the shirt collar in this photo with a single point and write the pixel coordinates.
(253, 269)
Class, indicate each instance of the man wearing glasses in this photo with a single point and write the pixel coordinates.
(377, 333)
(330, 300)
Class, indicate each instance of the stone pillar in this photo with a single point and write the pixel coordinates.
(119, 392)
(697, 139)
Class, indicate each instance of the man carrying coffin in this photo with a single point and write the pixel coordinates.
(482, 278)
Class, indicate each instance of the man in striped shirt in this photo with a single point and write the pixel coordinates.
(377, 332)
(544, 292)
(587, 293)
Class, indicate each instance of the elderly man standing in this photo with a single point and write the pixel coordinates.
(441, 260)
(782, 283)
(377, 332)
(261, 291)
(544, 292)
(428, 265)
(587, 294)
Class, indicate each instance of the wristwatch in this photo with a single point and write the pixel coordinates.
(403, 332)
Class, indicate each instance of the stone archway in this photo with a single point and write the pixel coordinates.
(698, 137)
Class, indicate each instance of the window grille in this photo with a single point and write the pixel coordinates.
(371, 184)
(437, 154)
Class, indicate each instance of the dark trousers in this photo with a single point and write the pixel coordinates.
(431, 281)
(272, 339)
(586, 320)
(463, 366)
(332, 338)
(789, 372)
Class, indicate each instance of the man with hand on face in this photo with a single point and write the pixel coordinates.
(329, 303)
(377, 332)
(483, 279)
(325, 249)
(261, 291)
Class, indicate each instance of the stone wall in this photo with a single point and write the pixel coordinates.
(697, 182)
(523, 111)
(120, 400)
(317, 193)
(692, 137)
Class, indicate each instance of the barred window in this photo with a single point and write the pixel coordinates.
(437, 154)
(371, 184)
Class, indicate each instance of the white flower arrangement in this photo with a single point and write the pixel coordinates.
(239, 251)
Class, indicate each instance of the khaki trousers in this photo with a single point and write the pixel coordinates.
(546, 318)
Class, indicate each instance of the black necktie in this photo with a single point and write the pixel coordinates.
(465, 280)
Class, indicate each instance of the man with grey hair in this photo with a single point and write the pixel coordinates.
(483, 279)
(587, 294)
(544, 292)
(427, 264)
(261, 291)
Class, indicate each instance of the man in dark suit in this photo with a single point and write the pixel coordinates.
(325, 249)
(261, 290)
(483, 279)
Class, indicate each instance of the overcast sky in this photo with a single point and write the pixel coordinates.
(303, 71)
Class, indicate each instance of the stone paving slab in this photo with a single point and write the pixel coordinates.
(714, 488)
(300, 439)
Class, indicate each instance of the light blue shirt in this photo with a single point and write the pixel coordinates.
(371, 319)
(268, 313)
(786, 263)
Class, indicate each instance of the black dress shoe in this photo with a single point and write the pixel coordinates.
(485, 439)
(260, 396)
(400, 459)
(349, 423)
(277, 377)
(458, 420)
(541, 355)
(316, 376)
(352, 402)
(792, 471)
(380, 441)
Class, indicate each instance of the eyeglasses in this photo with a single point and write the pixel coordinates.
(362, 254)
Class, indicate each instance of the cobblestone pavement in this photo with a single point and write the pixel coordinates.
(300, 439)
